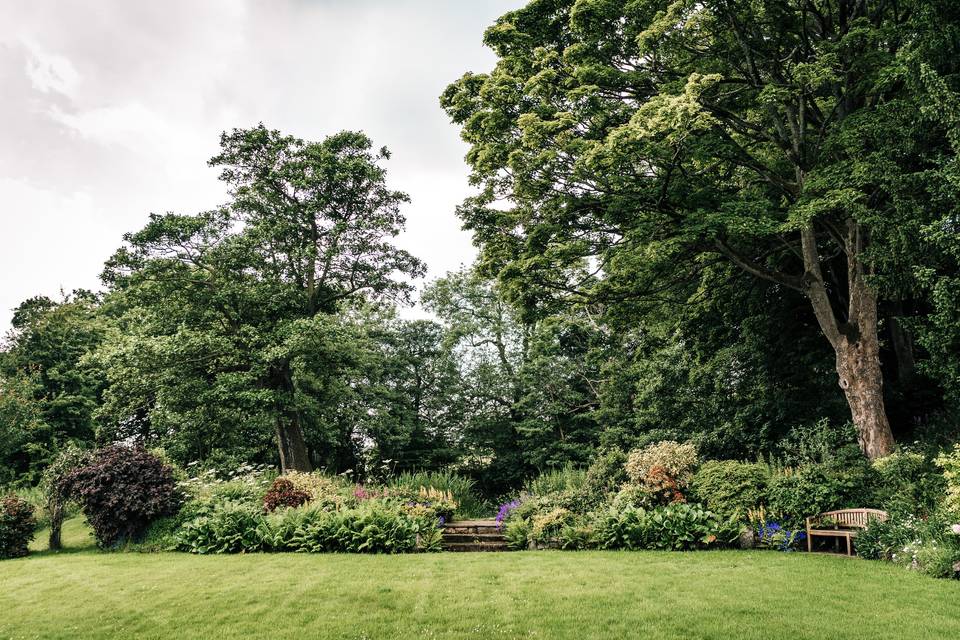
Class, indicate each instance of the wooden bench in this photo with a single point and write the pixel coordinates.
(846, 523)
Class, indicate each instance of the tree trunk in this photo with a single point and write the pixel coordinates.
(902, 343)
(290, 441)
(293, 447)
(858, 367)
(55, 506)
(855, 342)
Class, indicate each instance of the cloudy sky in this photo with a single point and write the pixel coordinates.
(110, 109)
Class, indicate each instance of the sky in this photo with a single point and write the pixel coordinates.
(109, 110)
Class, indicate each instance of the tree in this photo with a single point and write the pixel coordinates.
(239, 300)
(639, 143)
(48, 394)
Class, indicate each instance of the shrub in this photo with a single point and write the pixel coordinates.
(517, 534)
(731, 488)
(17, 525)
(937, 560)
(632, 496)
(567, 478)
(374, 527)
(545, 527)
(58, 502)
(370, 528)
(794, 495)
(818, 442)
(282, 493)
(228, 527)
(677, 460)
(771, 534)
(462, 490)
(950, 463)
(662, 487)
(324, 491)
(606, 473)
(121, 491)
(884, 539)
(677, 526)
(908, 483)
(579, 535)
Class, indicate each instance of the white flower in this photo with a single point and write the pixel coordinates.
(956, 529)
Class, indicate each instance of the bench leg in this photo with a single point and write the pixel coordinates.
(849, 549)
(809, 542)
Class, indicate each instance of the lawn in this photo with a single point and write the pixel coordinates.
(81, 593)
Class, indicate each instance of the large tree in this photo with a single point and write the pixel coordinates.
(237, 304)
(639, 142)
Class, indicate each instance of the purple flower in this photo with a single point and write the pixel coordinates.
(505, 510)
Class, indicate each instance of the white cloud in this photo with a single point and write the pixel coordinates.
(49, 72)
(111, 109)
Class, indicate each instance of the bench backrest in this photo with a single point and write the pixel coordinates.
(853, 518)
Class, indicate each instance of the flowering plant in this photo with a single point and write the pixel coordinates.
(504, 511)
(774, 536)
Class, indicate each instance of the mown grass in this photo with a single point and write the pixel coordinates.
(762, 595)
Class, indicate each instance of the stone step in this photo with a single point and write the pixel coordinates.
(474, 546)
(471, 526)
(472, 537)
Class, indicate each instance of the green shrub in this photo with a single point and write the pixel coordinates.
(937, 560)
(731, 488)
(370, 528)
(841, 483)
(606, 473)
(517, 534)
(884, 539)
(228, 527)
(461, 488)
(578, 535)
(678, 460)
(545, 527)
(373, 527)
(632, 496)
(908, 483)
(950, 463)
(330, 493)
(817, 443)
(17, 526)
(567, 478)
(673, 527)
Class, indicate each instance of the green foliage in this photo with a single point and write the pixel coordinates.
(908, 483)
(638, 182)
(460, 487)
(517, 533)
(818, 442)
(731, 488)
(567, 478)
(545, 527)
(950, 463)
(48, 391)
(229, 527)
(884, 539)
(606, 473)
(17, 526)
(795, 494)
(675, 527)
